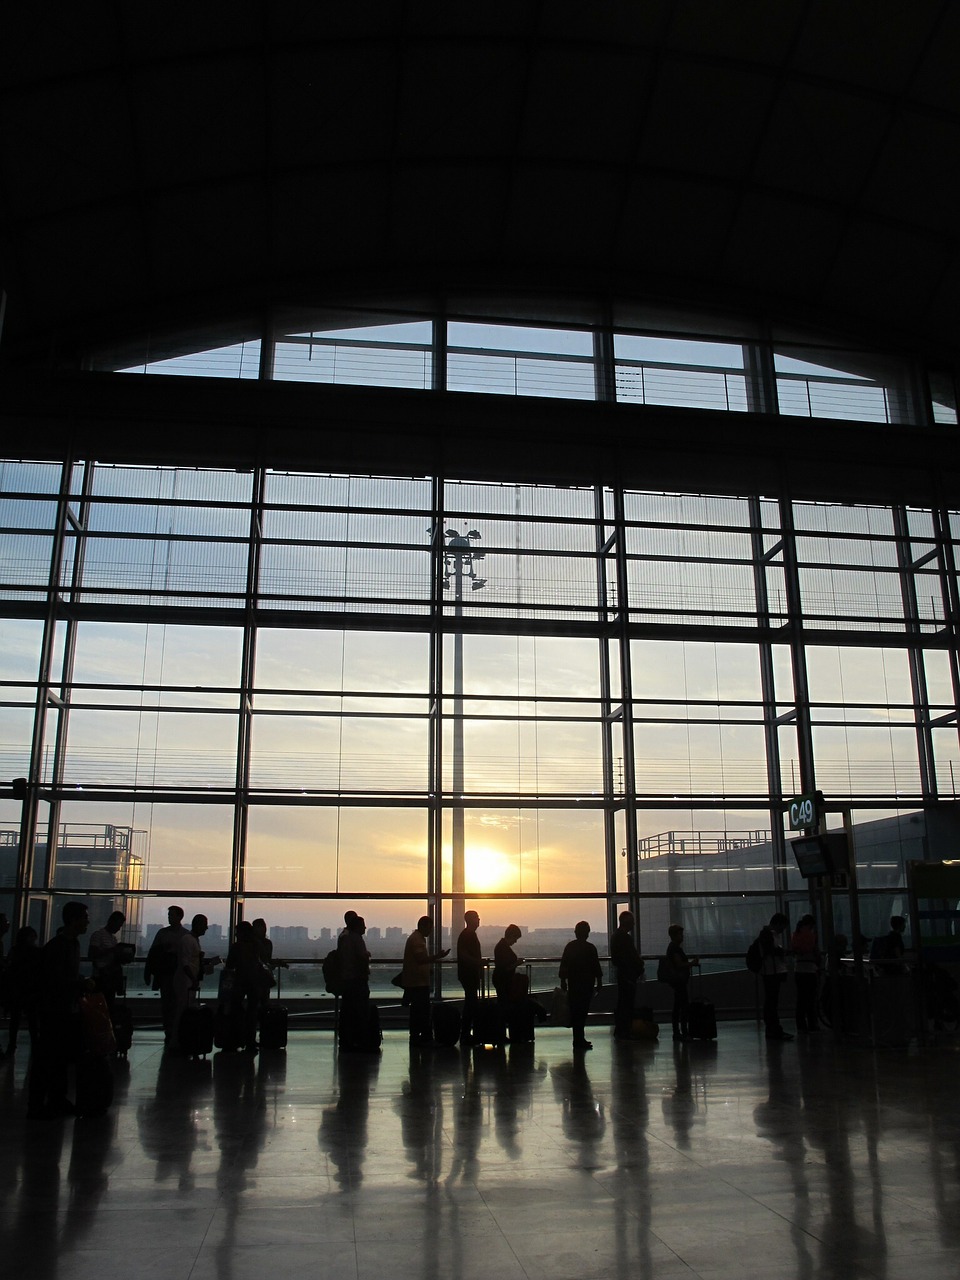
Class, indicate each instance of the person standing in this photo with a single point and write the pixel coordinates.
(889, 950)
(163, 960)
(505, 963)
(629, 966)
(102, 950)
(806, 972)
(191, 967)
(354, 961)
(22, 986)
(417, 962)
(243, 963)
(580, 971)
(469, 973)
(773, 970)
(678, 975)
(60, 989)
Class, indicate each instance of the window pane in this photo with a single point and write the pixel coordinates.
(336, 850)
(395, 354)
(514, 360)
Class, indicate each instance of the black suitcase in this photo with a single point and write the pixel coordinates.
(273, 1026)
(488, 1025)
(195, 1033)
(368, 1037)
(701, 1020)
(122, 1020)
(521, 1020)
(372, 1037)
(446, 1023)
(94, 1085)
(228, 1029)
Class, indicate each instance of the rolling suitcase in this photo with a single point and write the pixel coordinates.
(446, 1023)
(122, 1020)
(372, 1037)
(701, 1020)
(521, 1020)
(273, 1026)
(228, 1029)
(195, 1033)
(489, 1029)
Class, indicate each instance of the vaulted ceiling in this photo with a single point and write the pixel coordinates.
(178, 163)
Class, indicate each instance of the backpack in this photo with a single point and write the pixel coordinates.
(664, 970)
(754, 957)
(331, 973)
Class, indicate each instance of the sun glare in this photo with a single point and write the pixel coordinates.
(488, 871)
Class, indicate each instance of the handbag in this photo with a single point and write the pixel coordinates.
(397, 980)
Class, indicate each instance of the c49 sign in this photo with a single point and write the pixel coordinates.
(804, 812)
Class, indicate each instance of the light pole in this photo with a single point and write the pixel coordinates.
(460, 561)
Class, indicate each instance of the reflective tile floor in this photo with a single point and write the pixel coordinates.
(734, 1159)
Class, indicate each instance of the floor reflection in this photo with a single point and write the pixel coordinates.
(813, 1159)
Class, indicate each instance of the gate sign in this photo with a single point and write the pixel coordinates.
(804, 811)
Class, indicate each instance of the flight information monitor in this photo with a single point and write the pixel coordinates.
(813, 857)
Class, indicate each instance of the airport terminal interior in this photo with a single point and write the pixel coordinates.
(496, 457)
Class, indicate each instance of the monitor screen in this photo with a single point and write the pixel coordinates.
(812, 857)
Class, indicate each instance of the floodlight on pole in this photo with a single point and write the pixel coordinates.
(460, 560)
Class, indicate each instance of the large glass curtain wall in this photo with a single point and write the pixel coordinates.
(283, 695)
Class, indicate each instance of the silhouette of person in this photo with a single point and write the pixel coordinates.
(629, 966)
(678, 967)
(469, 973)
(60, 988)
(890, 949)
(161, 967)
(191, 967)
(355, 983)
(505, 962)
(102, 948)
(579, 972)
(806, 974)
(774, 973)
(268, 965)
(417, 961)
(243, 961)
(22, 985)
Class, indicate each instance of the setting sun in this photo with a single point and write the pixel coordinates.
(489, 871)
